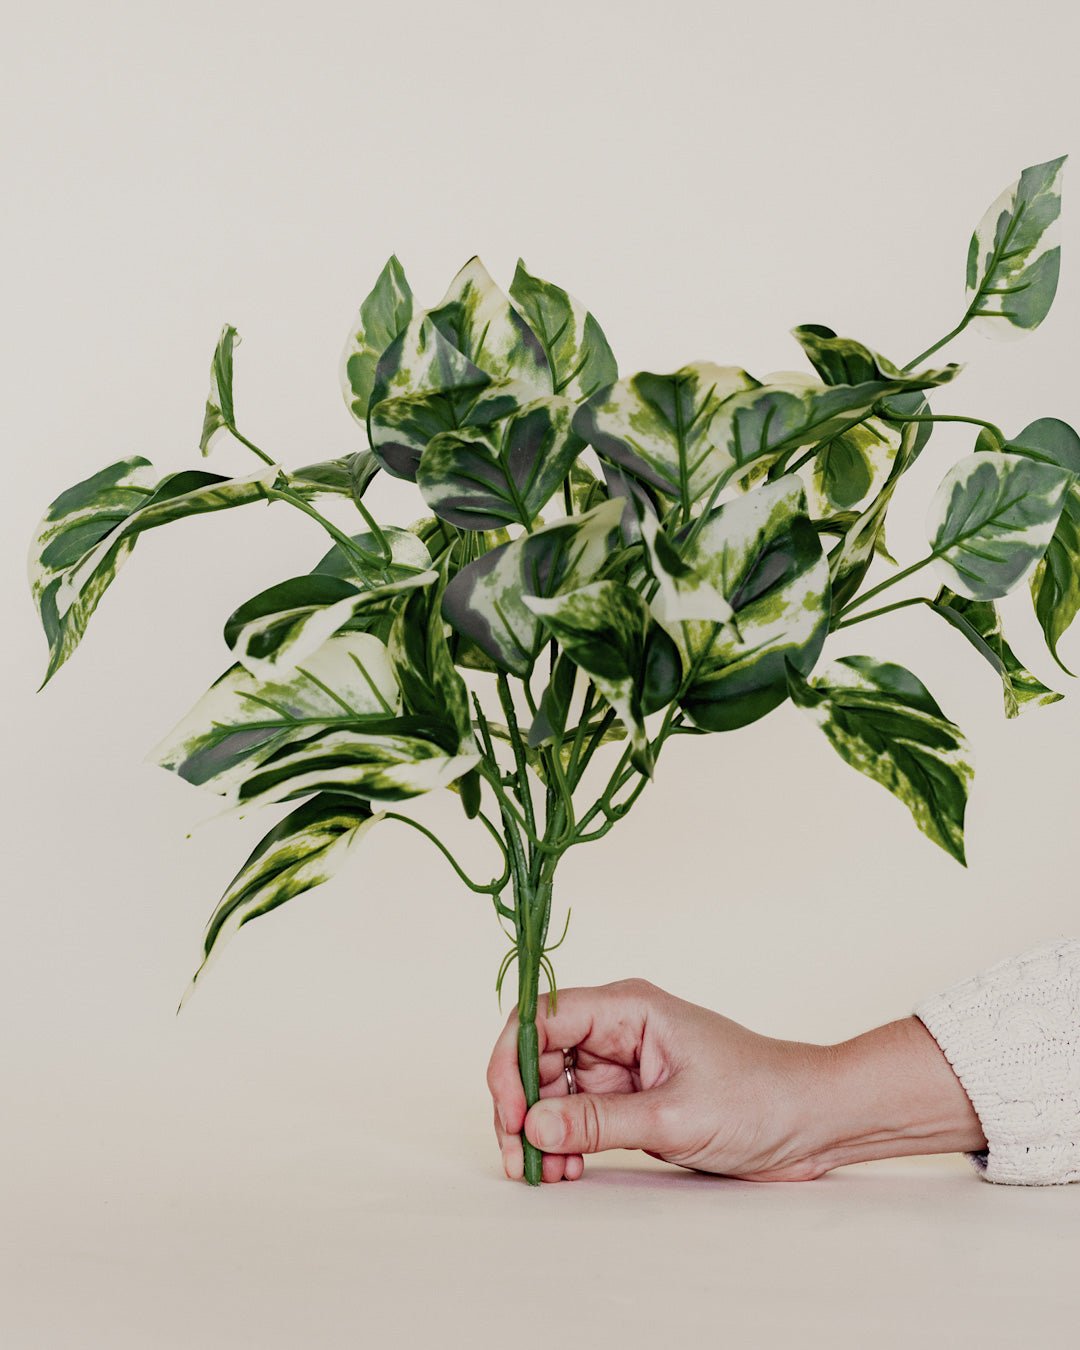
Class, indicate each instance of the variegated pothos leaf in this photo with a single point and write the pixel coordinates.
(992, 519)
(282, 626)
(606, 629)
(481, 481)
(1014, 257)
(484, 601)
(220, 414)
(302, 851)
(88, 532)
(1055, 583)
(884, 722)
(242, 720)
(980, 622)
(383, 315)
(762, 554)
(577, 351)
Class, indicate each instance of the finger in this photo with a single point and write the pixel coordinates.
(606, 1020)
(553, 1167)
(575, 1167)
(552, 1067)
(504, 1079)
(590, 1123)
(513, 1159)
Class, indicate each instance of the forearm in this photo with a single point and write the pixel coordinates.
(885, 1094)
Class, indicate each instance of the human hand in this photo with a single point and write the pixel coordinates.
(694, 1088)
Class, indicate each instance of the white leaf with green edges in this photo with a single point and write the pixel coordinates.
(88, 532)
(577, 351)
(884, 722)
(242, 720)
(383, 315)
(605, 628)
(980, 622)
(1014, 257)
(302, 851)
(484, 602)
(282, 626)
(992, 519)
(762, 554)
(484, 482)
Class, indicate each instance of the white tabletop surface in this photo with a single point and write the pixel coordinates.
(410, 1236)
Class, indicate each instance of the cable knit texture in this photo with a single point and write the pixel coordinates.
(1012, 1035)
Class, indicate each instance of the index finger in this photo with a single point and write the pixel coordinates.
(607, 1021)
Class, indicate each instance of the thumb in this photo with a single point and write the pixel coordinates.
(591, 1122)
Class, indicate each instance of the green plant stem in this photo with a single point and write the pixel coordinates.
(941, 342)
(351, 549)
(884, 609)
(492, 888)
(902, 575)
(952, 417)
(364, 561)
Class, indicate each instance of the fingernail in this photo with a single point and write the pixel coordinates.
(548, 1131)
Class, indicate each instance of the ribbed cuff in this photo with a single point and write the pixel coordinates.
(1012, 1036)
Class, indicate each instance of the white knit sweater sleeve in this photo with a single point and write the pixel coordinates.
(1012, 1035)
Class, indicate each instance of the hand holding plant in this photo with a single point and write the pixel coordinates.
(603, 564)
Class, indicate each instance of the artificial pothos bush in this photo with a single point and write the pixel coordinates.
(610, 561)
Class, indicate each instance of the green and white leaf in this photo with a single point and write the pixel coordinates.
(662, 428)
(885, 723)
(683, 595)
(220, 414)
(348, 476)
(992, 519)
(242, 720)
(850, 560)
(1055, 583)
(484, 482)
(980, 622)
(423, 665)
(382, 316)
(790, 411)
(762, 554)
(384, 766)
(577, 351)
(282, 626)
(477, 318)
(408, 556)
(606, 629)
(401, 428)
(88, 532)
(302, 851)
(840, 361)
(485, 601)
(1014, 257)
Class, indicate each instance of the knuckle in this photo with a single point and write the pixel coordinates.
(664, 1122)
(590, 1124)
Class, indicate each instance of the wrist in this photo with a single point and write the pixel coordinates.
(885, 1094)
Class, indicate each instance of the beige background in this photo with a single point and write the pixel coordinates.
(303, 1158)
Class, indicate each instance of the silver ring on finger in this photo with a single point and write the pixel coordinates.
(569, 1065)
